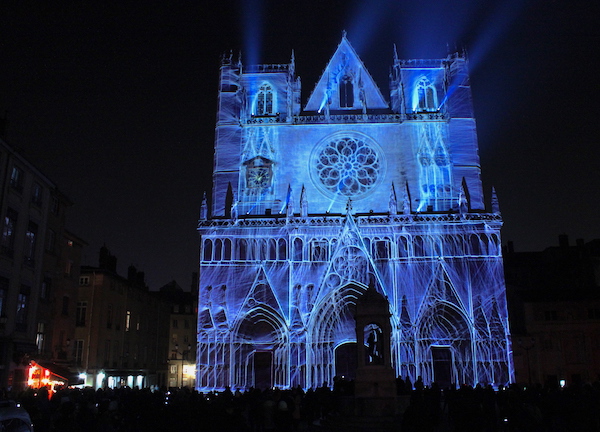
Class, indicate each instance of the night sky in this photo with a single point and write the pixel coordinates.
(115, 102)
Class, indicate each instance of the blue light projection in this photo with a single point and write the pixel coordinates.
(312, 204)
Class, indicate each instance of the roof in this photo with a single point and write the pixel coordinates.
(345, 62)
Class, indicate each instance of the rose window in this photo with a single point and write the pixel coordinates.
(347, 166)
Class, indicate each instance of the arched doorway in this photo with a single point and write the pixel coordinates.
(444, 345)
(346, 360)
(260, 355)
(333, 326)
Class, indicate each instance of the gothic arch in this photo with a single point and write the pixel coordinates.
(265, 102)
(331, 324)
(425, 96)
(207, 252)
(443, 324)
(260, 329)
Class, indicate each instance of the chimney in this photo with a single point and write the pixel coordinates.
(563, 241)
(131, 273)
(107, 261)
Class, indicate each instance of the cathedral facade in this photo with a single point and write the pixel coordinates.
(313, 202)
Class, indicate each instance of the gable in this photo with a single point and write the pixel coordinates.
(345, 84)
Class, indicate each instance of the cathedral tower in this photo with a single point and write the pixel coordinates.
(310, 204)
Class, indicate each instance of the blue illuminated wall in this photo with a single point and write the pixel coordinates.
(312, 202)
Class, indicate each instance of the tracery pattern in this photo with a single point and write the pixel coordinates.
(348, 166)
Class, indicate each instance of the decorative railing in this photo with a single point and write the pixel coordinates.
(361, 220)
(266, 68)
(348, 118)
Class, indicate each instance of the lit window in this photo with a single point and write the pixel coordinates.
(16, 179)
(346, 92)
(425, 95)
(22, 308)
(8, 232)
(265, 100)
(39, 337)
(30, 238)
(127, 321)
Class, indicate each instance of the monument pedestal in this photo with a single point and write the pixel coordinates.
(375, 391)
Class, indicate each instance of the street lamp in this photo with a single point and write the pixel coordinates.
(183, 355)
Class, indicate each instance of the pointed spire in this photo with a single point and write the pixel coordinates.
(229, 200)
(463, 204)
(393, 205)
(495, 203)
(293, 63)
(396, 59)
(406, 201)
(344, 34)
(303, 203)
(204, 208)
(289, 211)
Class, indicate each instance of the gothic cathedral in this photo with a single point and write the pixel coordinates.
(312, 204)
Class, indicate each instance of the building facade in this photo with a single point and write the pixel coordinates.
(182, 333)
(313, 202)
(121, 333)
(33, 273)
(554, 301)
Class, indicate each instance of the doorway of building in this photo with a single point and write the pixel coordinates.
(263, 369)
(442, 366)
(346, 360)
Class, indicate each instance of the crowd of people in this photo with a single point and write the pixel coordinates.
(480, 408)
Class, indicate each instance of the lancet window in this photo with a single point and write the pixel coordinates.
(265, 100)
(346, 92)
(318, 250)
(298, 249)
(426, 95)
(207, 250)
(402, 247)
(381, 249)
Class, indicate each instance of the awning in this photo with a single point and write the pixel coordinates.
(56, 372)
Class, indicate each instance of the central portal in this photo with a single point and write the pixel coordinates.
(263, 367)
(442, 366)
